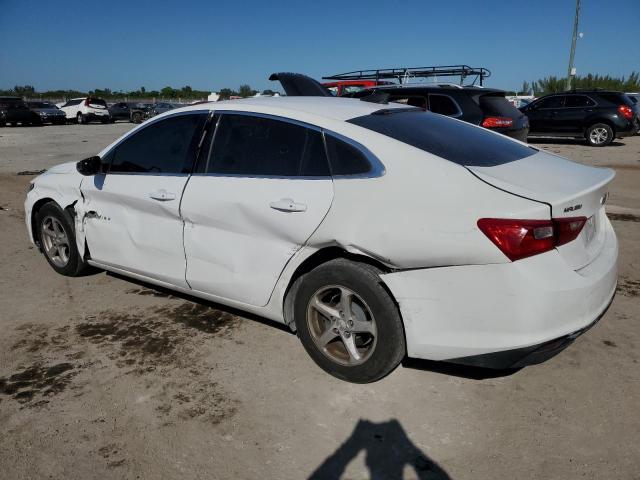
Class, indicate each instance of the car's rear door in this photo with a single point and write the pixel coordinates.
(262, 192)
(133, 212)
(571, 117)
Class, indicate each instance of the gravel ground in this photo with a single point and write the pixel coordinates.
(102, 377)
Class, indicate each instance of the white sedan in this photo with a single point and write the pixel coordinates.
(375, 231)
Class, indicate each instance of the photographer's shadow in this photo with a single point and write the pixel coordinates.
(388, 451)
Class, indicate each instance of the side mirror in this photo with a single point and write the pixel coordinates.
(89, 166)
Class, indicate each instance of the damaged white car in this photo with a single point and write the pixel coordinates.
(374, 230)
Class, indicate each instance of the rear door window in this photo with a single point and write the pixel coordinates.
(578, 101)
(251, 145)
(456, 141)
(164, 147)
(444, 105)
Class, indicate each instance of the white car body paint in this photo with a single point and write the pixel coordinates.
(458, 294)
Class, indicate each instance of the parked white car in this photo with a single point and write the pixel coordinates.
(374, 231)
(86, 109)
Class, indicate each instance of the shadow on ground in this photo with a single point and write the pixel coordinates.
(388, 452)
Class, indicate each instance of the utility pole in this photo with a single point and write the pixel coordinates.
(571, 72)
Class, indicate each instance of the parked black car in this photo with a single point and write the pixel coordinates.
(48, 112)
(482, 106)
(139, 112)
(120, 111)
(599, 116)
(14, 110)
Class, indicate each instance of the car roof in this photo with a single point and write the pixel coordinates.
(333, 108)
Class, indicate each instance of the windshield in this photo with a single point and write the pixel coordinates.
(453, 140)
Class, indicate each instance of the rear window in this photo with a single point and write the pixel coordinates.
(617, 98)
(97, 101)
(453, 140)
(497, 105)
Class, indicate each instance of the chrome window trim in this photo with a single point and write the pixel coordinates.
(595, 104)
(457, 115)
(377, 168)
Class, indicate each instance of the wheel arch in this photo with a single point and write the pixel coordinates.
(597, 120)
(318, 258)
(36, 208)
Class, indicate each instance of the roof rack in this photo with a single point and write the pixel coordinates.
(406, 73)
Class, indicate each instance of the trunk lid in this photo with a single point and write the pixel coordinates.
(569, 188)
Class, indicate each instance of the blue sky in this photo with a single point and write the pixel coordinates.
(122, 44)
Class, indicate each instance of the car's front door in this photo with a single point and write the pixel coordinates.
(544, 114)
(262, 192)
(132, 213)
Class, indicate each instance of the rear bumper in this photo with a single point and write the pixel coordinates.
(521, 357)
(451, 313)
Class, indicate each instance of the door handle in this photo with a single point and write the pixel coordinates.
(162, 195)
(288, 205)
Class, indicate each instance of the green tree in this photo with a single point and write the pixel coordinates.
(246, 91)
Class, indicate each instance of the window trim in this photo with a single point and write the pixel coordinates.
(376, 167)
(143, 126)
(457, 115)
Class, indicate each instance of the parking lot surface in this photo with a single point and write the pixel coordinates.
(102, 377)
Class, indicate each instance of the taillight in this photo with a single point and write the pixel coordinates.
(519, 239)
(568, 229)
(86, 102)
(497, 122)
(626, 112)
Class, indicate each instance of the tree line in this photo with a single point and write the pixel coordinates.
(543, 86)
(553, 84)
(167, 93)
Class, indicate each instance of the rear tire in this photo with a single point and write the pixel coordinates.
(599, 135)
(348, 322)
(56, 234)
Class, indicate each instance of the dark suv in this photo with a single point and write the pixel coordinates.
(482, 106)
(599, 116)
(14, 110)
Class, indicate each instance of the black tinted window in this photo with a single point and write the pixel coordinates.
(255, 146)
(616, 98)
(452, 140)
(550, 102)
(345, 159)
(498, 105)
(578, 101)
(443, 104)
(167, 146)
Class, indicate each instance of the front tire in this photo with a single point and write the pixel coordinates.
(599, 135)
(80, 118)
(348, 322)
(56, 235)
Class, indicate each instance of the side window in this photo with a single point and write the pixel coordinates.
(257, 146)
(345, 159)
(578, 101)
(167, 146)
(444, 105)
(551, 102)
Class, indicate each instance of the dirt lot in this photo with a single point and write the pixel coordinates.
(101, 377)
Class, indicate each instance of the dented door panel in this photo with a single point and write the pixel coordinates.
(239, 233)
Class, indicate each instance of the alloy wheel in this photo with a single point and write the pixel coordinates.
(55, 241)
(342, 325)
(599, 135)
